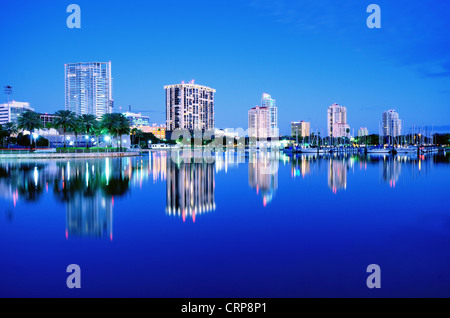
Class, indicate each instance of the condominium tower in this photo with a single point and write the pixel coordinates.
(259, 122)
(88, 88)
(270, 103)
(337, 122)
(363, 131)
(391, 124)
(189, 106)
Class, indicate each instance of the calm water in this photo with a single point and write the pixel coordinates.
(262, 225)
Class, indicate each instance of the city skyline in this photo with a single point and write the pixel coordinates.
(372, 76)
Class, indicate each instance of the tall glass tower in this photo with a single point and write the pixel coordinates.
(270, 103)
(88, 88)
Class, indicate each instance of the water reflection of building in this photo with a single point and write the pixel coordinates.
(85, 187)
(301, 165)
(88, 188)
(263, 174)
(337, 174)
(89, 216)
(391, 170)
(190, 189)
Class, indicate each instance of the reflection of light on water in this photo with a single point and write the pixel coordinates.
(87, 175)
(107, 171)
(15, 197)
(68, 171)
(36, 175)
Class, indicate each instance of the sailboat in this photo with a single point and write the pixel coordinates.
(408, 149)
(380, 149)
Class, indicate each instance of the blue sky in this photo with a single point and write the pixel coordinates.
(307, 54)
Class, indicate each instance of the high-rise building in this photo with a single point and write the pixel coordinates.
(259, 122)
(10, 111)
(189, 106)
(363, 131)
(337, 122)
(270, 103)
(89, 88)
(300, 129)
(391, 124)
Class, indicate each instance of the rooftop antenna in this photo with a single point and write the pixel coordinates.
(8, 91)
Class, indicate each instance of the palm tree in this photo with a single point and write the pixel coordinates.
(109, 124)
(29, 121)
(3, 134)
(134, 132)
(139, 135)
(10, 129)
(124, 127)
(65, 120)
(88, 122)
(98, 131)
(76, 128)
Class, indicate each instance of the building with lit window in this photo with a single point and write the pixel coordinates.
(270, 103)
(259, 122)
(189, 106)
(10, 111)
(363, 132)
(137, 120)
(300, 129)
(158, 131)
(337, 122)
(88, 88)
(391, 124)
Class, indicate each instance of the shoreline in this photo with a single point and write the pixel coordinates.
(68, 155)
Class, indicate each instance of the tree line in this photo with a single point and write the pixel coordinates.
(114, 125)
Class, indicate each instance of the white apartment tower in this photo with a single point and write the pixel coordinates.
(88, 88)
(189, 106)
(270, 103)
(337, 122)
(259, 122)
(363, 131)
(391, 124)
